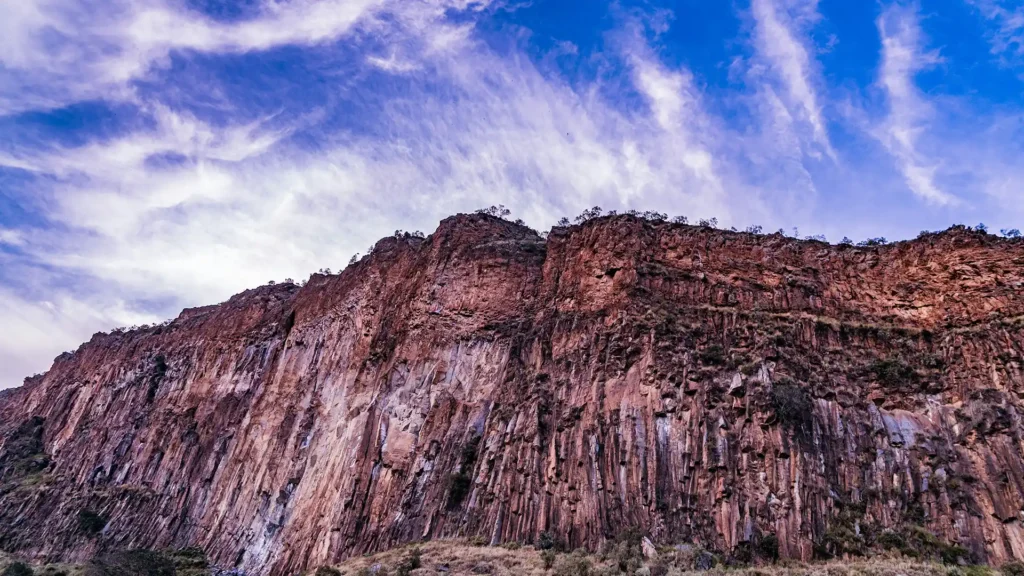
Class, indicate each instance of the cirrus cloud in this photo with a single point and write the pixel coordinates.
(288, 139)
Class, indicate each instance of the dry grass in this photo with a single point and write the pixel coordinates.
(871, 567)
(44, 569)
(461, 558)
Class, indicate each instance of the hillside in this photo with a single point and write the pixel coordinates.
(709, 387)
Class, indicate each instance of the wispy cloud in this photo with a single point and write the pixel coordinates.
(1007, 36)
(909, 112)
(780, 36)
(185, 207)
(54, 52)
(35, 331)
(238, 204)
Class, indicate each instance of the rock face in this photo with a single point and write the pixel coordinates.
(701, 385)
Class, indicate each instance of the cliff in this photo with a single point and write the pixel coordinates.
(702, 385)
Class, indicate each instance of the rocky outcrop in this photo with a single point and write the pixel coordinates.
(704, 386)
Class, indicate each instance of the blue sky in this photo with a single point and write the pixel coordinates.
(157, 154)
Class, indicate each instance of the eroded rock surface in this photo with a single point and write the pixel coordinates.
(704, 386)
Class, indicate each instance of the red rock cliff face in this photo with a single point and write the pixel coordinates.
(702, 385)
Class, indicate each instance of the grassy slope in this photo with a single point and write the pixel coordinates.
(462, 558)
(457, 558)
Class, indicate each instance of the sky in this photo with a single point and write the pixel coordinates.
(161, 154)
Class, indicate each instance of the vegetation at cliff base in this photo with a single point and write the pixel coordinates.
(17, 569)
(630, 554)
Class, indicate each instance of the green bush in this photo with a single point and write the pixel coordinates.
(328, 571)
(1013, 569)
(841, 538)
(131, 563)
(713, 355)
(546, 541)
(17, 569)
(741, 555)
(792, 404)
(190, 561)
(704, 560)
(893, 372)
(628, 551)
(411, 561)
(24, 454)
(549, 556)
(573, 565)
(970, 571)
(513, 545)
(768, 547)
(917, 542)
(90, 522)
(891, 540)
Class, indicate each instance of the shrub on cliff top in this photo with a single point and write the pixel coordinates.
(498, 211)
(590, 214)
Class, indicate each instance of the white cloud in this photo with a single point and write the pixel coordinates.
(777, 26)
(187, 211)
(392, 63)
(679, 114)
(36, 331)
(11, 237)
(1007, 38)
(910, 114)
(55, 52)
(242, 206)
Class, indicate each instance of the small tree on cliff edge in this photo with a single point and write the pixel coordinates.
(589, 214)
(498, 211)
